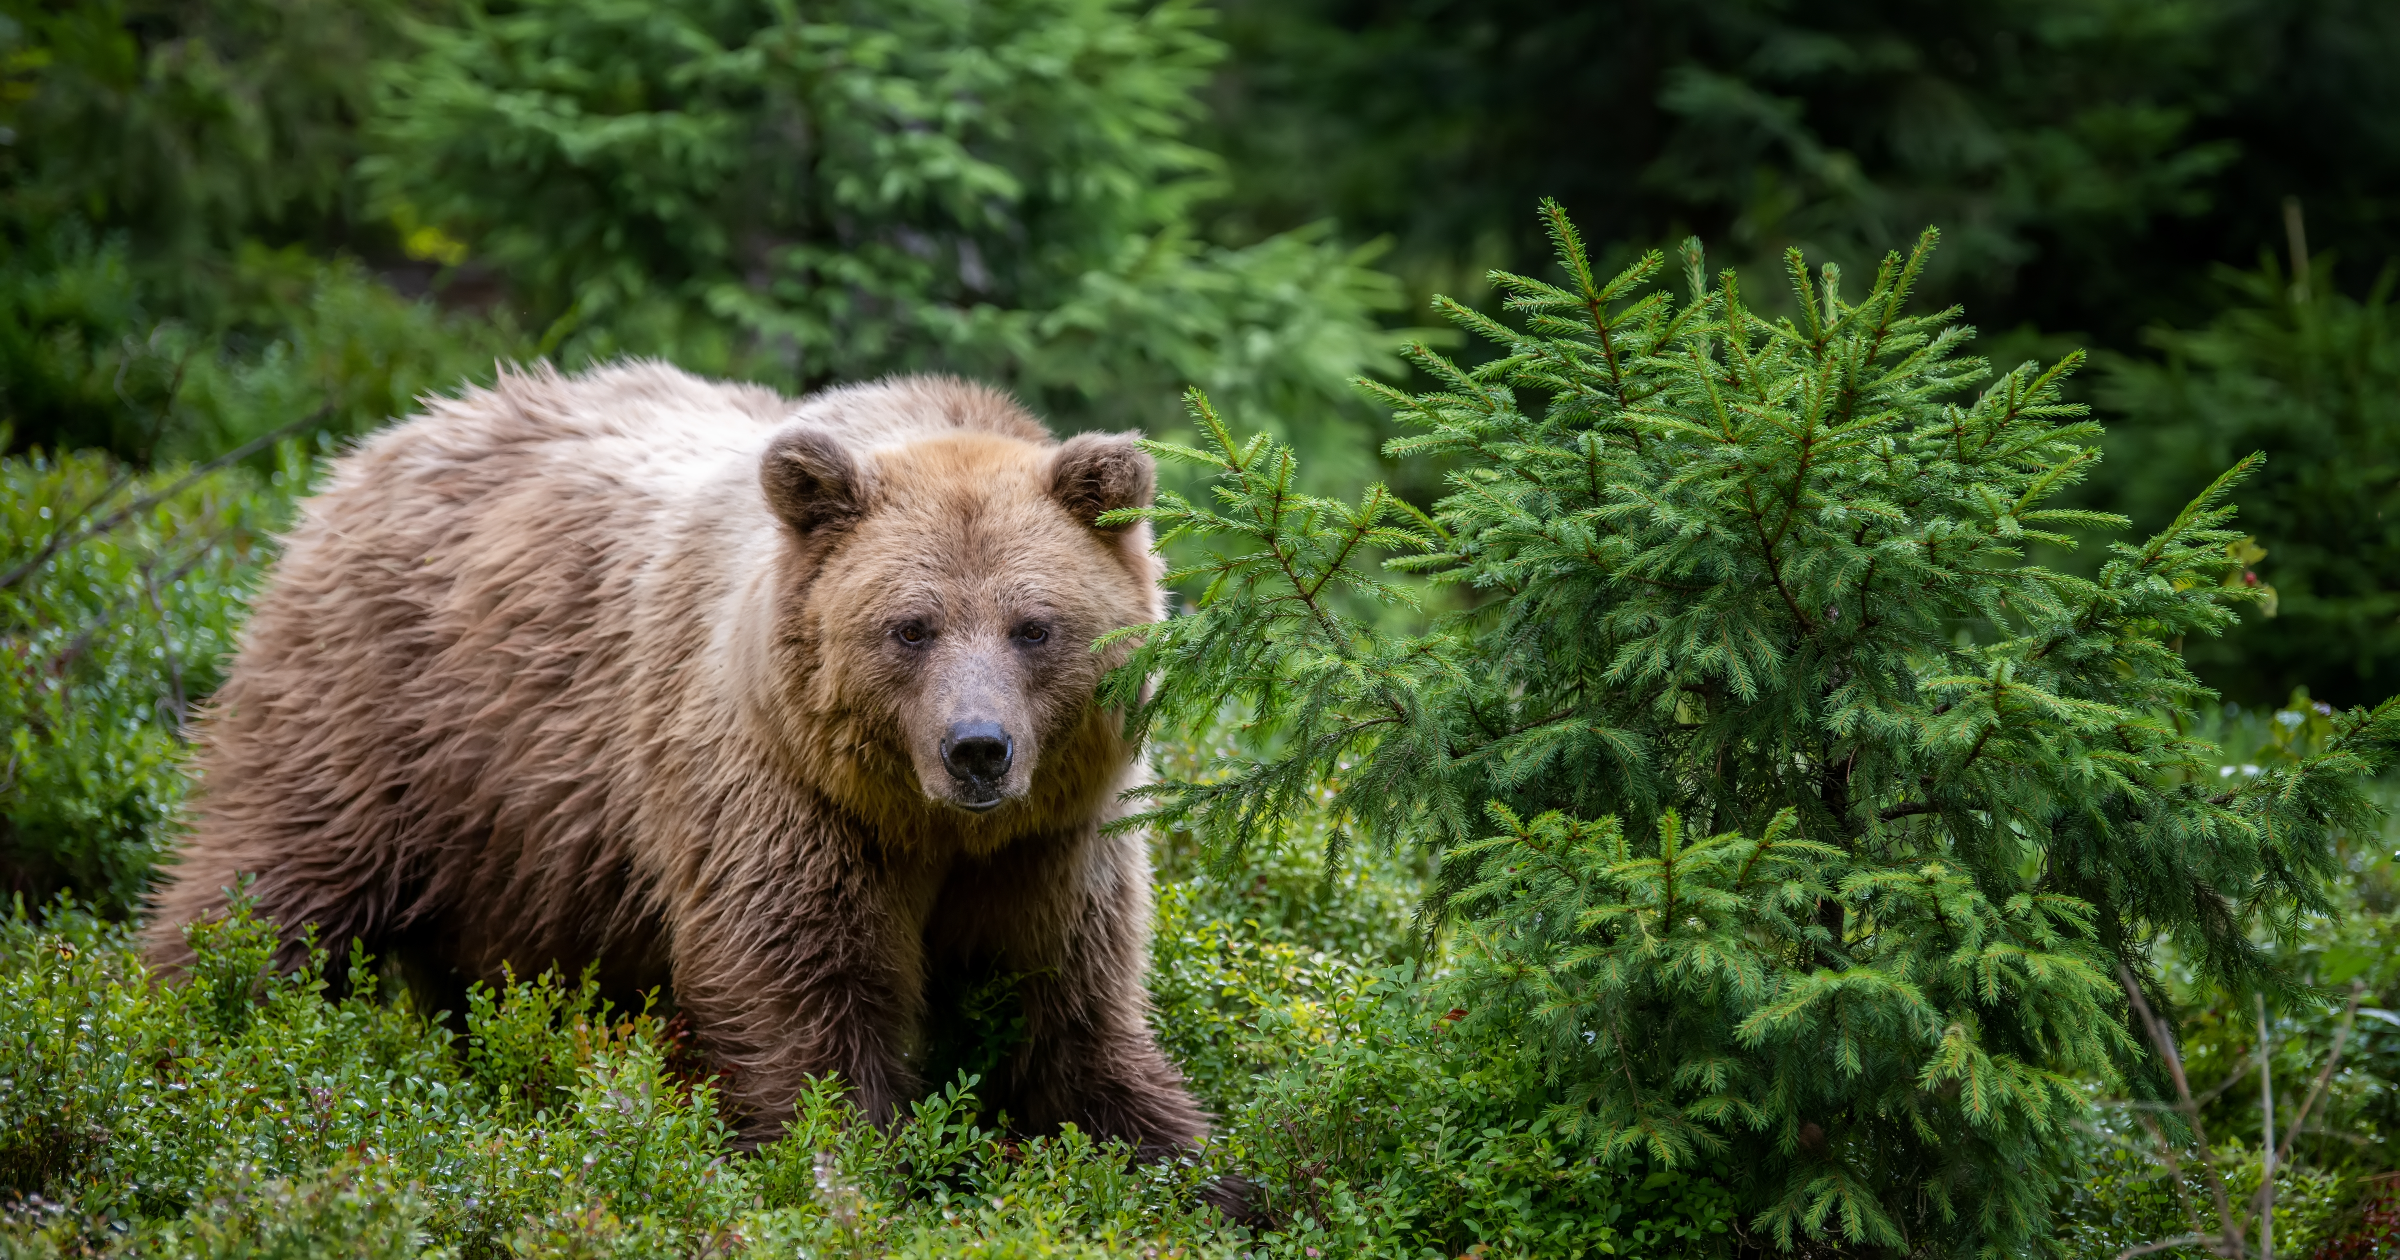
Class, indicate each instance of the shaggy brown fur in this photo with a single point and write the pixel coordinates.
(634, 668)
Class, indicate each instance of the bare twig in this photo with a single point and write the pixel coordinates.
(2341, 1038)
(2163, 1244)
(166, 640)
(76, 647)
(2229, 1243)
(2265, 1199)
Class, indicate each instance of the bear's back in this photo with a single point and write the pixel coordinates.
(629, 422)
(644, 420)
(903, 409)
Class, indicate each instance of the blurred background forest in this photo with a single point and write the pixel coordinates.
(234, 233)
(221, 218)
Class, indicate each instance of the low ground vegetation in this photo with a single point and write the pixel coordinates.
(249, 1114)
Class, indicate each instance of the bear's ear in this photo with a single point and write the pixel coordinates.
(1094, 473)
(811, 481)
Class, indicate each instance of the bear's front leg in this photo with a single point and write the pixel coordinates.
(1090, 1056)
(788, 978)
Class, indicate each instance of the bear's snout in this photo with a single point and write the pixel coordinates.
(978, 755)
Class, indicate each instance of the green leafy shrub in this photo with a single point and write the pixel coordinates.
(1406, 1132)
(1255, 966)
(247, 1112)
(1243, 1002)
(120, 595)
(531, 1042)
(1760, 581)
(355, 1210)
(178, 177)
(871, 1188)
(94, 354)
(2125, 1197)
(131, 1099)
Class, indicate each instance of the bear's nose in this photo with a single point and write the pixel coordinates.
(977, 753)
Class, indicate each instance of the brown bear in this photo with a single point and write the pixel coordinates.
(790, 706)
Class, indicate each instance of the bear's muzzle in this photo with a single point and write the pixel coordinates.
(978, 755)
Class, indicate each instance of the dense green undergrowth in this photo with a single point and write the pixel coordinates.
(250, 1113)
(120, 593)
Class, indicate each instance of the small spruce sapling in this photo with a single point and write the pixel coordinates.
(1788, 814)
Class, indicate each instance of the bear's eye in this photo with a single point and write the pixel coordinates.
(1032, 632)
(911, 632)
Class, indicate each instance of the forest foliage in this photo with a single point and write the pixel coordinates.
(2080, 157)
(2116, 176)
(1710, 794)
(1775, 791)
(1005, 190)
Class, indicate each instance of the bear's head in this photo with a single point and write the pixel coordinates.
(948, 577)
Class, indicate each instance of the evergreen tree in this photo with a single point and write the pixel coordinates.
(2311, 377)
(2081, 155)
(173, 178)
(1789, 817)
(218, 216)
(810, 194)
